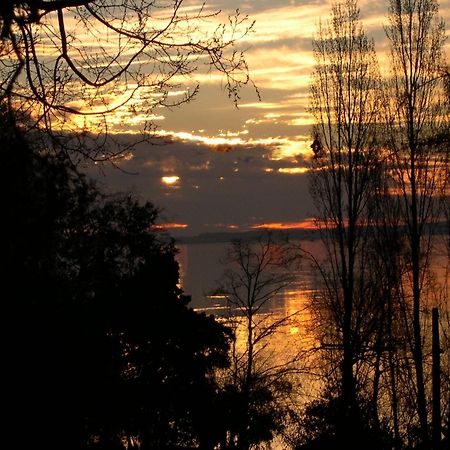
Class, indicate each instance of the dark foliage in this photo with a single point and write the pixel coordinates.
(251, 417)
(325, 424)
(102, 348)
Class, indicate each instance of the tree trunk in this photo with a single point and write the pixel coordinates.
(415, 260)
(436, 381)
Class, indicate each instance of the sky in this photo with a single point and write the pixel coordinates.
(220, 168)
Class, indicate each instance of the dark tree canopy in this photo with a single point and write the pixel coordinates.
(101, 344)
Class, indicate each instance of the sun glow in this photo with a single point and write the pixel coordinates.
(171, 180)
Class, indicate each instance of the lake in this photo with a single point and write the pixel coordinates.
(201, 270)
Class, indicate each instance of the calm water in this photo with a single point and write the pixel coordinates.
(201, 270)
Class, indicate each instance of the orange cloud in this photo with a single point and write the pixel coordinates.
(307, 224)
(282, 147)
(293, 170)
(172, 226)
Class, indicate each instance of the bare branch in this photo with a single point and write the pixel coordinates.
(65, 58)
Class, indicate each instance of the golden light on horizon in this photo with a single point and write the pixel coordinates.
(226, 141)
(293, 170)
(170, 180)
(172, 226)
(307, 224)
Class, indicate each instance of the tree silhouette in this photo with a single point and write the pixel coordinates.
(60, 59)
(320, 426)
(416, 115)
(99, 331)
(256, 271)
(379, 179)
(344, 102)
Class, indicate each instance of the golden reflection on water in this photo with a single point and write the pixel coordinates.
(294, 340)
(200, 273)
(201, 270)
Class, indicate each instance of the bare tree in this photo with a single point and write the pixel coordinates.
(62, 59)
(415, 117)
(256, 272)
(344, 102)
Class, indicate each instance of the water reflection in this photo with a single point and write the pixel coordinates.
(295, 341)
(201, 270)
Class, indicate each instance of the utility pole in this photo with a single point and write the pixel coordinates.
(436, 351)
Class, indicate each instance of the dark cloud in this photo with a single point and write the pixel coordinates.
(216, 189)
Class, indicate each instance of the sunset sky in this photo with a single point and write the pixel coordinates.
(233, 168)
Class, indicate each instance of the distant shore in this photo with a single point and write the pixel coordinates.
(294, 233)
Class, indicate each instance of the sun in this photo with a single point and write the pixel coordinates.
(170, 180)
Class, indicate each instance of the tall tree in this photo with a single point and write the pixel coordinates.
(415, 118)
(344, 103)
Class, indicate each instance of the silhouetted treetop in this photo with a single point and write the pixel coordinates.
(98, 329)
